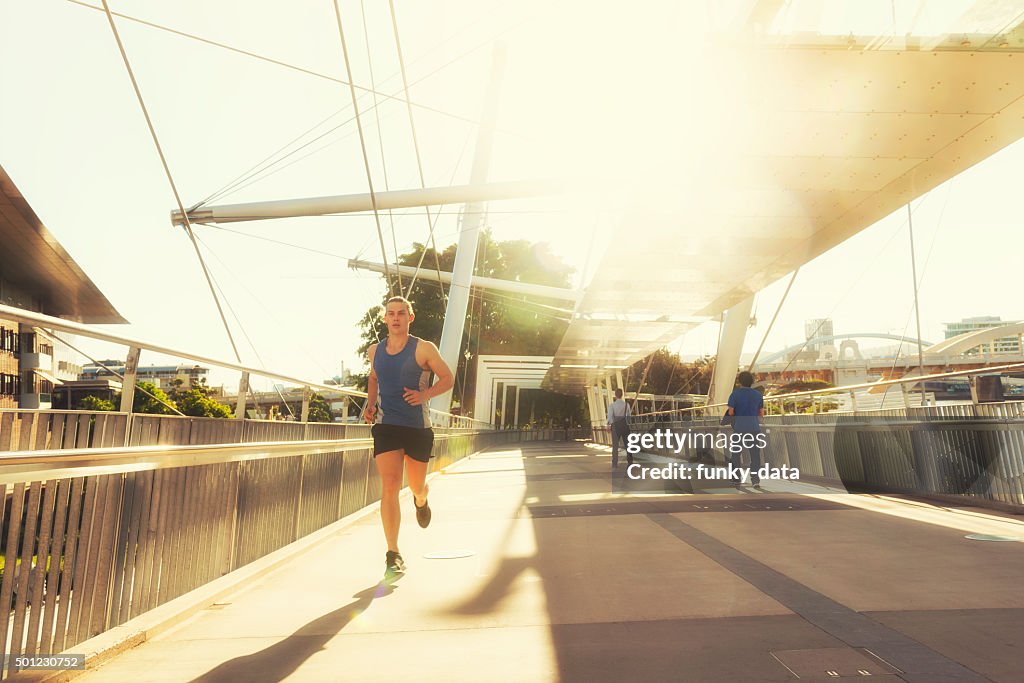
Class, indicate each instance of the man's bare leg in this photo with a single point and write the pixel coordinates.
(417, 473)
(389, 465)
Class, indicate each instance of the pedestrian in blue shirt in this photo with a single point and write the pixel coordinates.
(746, 406)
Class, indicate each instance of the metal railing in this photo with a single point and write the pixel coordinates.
(776, 404)
(95, 534)
(48, 323)
(924, 452)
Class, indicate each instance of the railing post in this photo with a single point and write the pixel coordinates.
(131, 371)
(243, 393)
(305, 411)
(853, 400)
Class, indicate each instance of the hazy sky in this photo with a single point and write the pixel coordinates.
(75, 142)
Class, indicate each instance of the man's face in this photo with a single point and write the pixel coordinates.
(397, 318)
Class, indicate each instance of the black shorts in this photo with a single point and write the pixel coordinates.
(417, 443)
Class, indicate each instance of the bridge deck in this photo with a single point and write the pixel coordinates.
(568, 581)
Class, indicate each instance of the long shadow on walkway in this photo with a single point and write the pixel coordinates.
(281, 659)
(626, 600)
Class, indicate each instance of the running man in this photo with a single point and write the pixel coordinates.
(400, 370)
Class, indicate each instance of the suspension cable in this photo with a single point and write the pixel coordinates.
(138, 387)
(778, 308)
(170, 178)
(252, 171)
(416, 146)
(917, 311)
(433, 226)
(255, 298)
(380, 140)
(362, 145)
(269, 60)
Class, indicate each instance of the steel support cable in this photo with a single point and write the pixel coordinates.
(255, 298)
(416, 147)
(269, 60)
(362, 145)
(854, 284)
(643, 378)
(380, 140)
(433, 226)
(917, 285)
(668, 383)
(170, 178)
(917, 310)
(416, 82)
(775, 316)
(53, 335)
(251, 172)
(261, 172)
(512, 302)
(247, 338)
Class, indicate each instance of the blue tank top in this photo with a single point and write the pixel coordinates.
(396, 373)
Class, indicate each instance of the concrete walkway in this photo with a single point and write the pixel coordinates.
(534, 570)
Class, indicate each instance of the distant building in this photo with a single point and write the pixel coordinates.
(164, 376)
(36, 274)
(985, 322)
(817, 327)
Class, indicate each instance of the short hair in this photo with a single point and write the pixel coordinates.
(746, 379)
(399, 300)
(618, 393)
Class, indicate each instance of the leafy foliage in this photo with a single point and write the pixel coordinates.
(497, 322)
(197, 402)
(319, 409)
(94, 403)
(143, 403)
(665, 373)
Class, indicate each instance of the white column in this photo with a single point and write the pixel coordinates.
(727, 361)
(515, 423)
(472, 223)
(592, 406)
(607, 396)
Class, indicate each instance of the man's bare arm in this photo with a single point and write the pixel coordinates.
(370, 411)
(445, 379)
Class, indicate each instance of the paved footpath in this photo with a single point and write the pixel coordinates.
(533, 569)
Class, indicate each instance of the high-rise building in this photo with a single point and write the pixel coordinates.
(985, 322)
(817, 327)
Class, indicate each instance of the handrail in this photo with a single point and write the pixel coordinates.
(19, 466)
(49, 322)
(852, 387)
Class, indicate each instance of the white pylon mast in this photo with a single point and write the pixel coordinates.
(469, 233)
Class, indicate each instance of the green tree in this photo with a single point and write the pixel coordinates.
(197, 400)
(94, 403)
(496, 322)
(664, 373)
(144, 402)
(196, 403)
(319, 409)
(805, 404)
